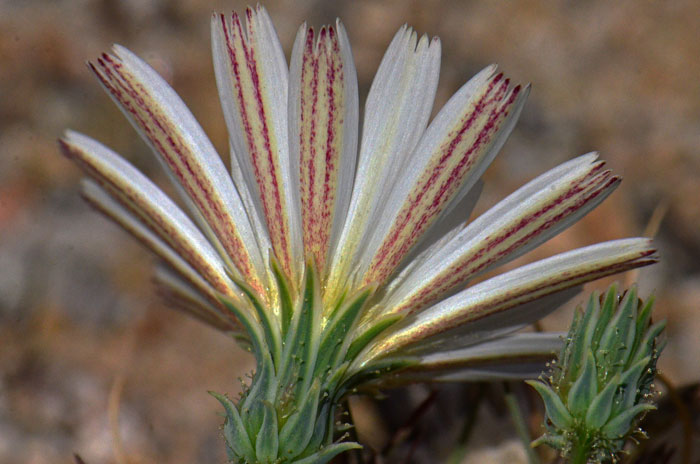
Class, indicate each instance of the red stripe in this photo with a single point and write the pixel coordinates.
(389, 249)
(113, 83)
(456, 274)
(129, 198)
(317, 211)
(273, 218)
(490, 308)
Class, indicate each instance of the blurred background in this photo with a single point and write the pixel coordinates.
(87, 350)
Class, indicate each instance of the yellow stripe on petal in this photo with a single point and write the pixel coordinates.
(321, 120)
(534, 219)
(462, 148)
(256, 128)
(170, 129)
(518, 287)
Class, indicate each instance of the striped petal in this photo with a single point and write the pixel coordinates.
(517, 287)
(323, 119)
(516, 356)
(525, 219)
(178, 294)
(442, 233)
(98, 198)
(396, 113)
(251, 74)
(496, 325)
(166, 124)
(150, 205)
(455, 150)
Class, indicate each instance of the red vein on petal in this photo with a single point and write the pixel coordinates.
(126, 89)
(586, 190)
(206, 291)
(135, 203)
(321, 107)
(415, 214)
(263, 159)
(507, 300)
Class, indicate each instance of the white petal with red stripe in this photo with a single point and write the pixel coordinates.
(525, 219)
(166, 124)
(396, 113)
(150, 205)
(323, 120)
(455, 150)
(517, 287)
(107, 205)
(252, 77)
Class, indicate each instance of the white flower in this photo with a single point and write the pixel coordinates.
(376, 221)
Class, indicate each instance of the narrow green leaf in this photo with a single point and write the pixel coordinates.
(370, 334)
(286, 305)
(600, 408)
(252, 327)
(335, 378)
(267, 320)
(338, 305)
(553, 440)
(267, 442)
(263, 389)
(336, 333)
(584, 339)
(569, 353)
(235, 433)
(620, 426)
(606, 313)
(629, 386)
(297, 431)
(555, 409)
(300, 345)
(323, 434)
(618, 338)
(647, 345)
(328, 453)
(584, 388)
(643, 322)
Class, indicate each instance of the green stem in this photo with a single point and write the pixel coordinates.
(521, 428)
(581, 450)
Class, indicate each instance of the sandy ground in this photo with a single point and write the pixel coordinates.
(83, 340)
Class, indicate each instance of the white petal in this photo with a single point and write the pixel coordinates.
(252, 77)
(496, 325)
(166, 124)
(514, 357)
(516, 287)
(396, 114)
(103, 202)
(518, 345)
(533, 214)
(147, 202)
(455, 150)
(323, 119)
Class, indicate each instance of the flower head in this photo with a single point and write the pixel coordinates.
(601, 386)
(342, 259)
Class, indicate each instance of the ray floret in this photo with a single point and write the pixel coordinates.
(337, 253)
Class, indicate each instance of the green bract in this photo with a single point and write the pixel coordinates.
(601, 385)
(287, 414)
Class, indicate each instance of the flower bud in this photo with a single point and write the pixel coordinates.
(601, 385)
